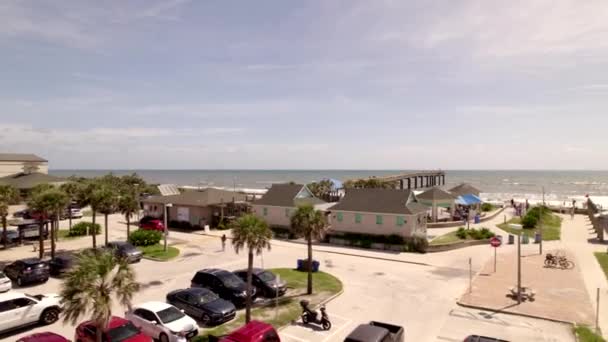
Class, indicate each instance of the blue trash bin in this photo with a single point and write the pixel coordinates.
(300, 264)
(315, 266)
(477, 218)
(537, 238)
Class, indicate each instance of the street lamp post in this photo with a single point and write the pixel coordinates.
(167, 206)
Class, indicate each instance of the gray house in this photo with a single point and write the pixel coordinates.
(380, 212)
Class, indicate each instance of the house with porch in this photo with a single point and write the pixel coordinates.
(196, 208)
(280, 201)
(379, 212)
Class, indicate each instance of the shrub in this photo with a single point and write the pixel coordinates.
(529, 221)
(461, 233)
(485, 233)
(417, 243)
(487, 207)
(84, 228)
(142, 237)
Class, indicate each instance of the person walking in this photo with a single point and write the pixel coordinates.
(224, 242)
(573, 209)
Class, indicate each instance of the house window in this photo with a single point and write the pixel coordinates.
(265, 211)
(378, 219)
(357, 218)
(400, 221)
(287, 212)
(340, 217)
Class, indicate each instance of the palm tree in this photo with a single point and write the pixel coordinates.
(310, 224)
(252, 233)
(91, 285)
(48, 203)
(128, 206)
(89, 195)
(71, 189)
(106, 204)
(8, 195)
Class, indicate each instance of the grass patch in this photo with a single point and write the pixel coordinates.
(88, 213)
(324, 286)
(462, 234)
(585, 334)
(157, 252)
(450, 237)
(64, 234)
(551, 228)
(602, 259)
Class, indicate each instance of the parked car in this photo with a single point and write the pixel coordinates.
(5, 282)
(125, 250)
(61, 264)
(254, 331)
(265, 282)
(226, 284)
(477, 338)
(163, 322)
(43, 337)
(376, 332)
(20, 213)
(203, 304)
(12, 236)
(18, 309)
(76, 213)
(27, 271)
(119, 329)
(151, 223)
(29, 229)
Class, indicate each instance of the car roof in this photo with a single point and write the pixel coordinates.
(250, 329)
(43, 337)
(64, 256)
(215, 271)
(194, 290)
(115, 322)
(119, 243)
(153, 306)
(31, 261)
(11, 295)
(255, 270)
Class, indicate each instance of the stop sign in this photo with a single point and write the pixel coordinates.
(495, 242)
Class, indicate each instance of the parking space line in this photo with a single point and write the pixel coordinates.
(346, 323)
(292, 337)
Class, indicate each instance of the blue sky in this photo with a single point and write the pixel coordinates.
(306, 84)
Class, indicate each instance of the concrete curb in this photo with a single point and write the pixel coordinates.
(513, 313)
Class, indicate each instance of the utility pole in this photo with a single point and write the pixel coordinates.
(519, 268)
(540, 224)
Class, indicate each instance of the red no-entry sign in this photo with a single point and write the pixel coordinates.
(495, 242)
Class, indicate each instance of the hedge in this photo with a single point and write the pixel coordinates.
(416, 243)
(483, 233)
(84, 228)
(142, 237)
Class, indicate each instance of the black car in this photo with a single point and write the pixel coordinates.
(27, 271)
(125, 250)
(61, 264)
(265, 282)
(203, 305)
(477, 338)
(226, 284)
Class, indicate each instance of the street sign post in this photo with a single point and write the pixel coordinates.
(495, 242)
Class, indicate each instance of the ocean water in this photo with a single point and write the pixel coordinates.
(558, 185)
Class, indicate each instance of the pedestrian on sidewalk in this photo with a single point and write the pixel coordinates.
(223, 242)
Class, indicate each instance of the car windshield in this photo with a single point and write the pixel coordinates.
(266, 276)
(170, 314)
(122, 332)
(208, 297)
(230, 280)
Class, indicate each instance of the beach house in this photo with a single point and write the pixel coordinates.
(15, 163)
(281, 200)
(197, 208)
(378, 212)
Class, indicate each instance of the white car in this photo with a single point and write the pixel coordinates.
(76, 213)
(18, 309)
(5, 283)
(163, 322)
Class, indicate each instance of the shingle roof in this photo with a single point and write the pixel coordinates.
(388, 201)
(284, 195)
(21, 157)
(209, 196)
(436, 194)
(464, 189)
(29, 180)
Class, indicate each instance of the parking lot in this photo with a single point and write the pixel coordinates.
(419, 297)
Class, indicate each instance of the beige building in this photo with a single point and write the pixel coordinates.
(197, 208)
(14, 163)
(281, 200)
(380, 212)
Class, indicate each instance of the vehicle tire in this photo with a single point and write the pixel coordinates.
(548, 263)
(326, 325)
(205, 319)
(163, 338)
(305, 319)
(19, 281)
(49, 316)
(569, 265)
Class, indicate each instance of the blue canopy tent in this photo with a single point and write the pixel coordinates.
(468, 200)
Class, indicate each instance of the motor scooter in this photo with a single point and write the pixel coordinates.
(311, 316)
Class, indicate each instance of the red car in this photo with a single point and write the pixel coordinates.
(43, 337)
(150, 223)
(119, 329)
(254, 331)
